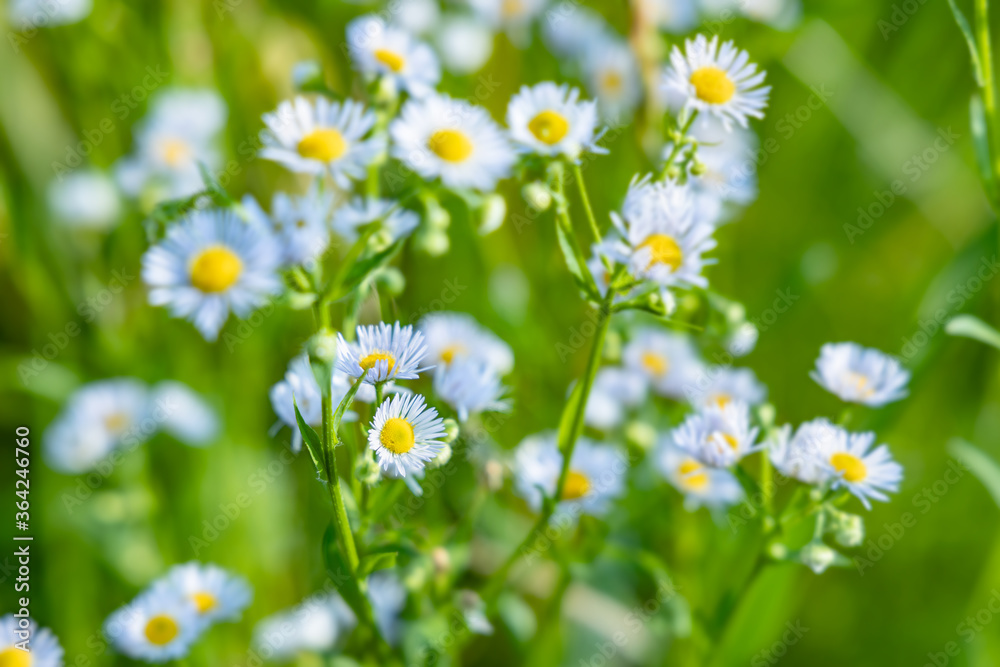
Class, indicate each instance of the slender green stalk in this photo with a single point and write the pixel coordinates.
(981, 9)
(679, 143)
(582, 187)
(340, 519)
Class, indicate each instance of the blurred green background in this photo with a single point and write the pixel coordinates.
(886, 97)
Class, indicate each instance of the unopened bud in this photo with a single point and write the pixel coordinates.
(323, 347)
(367, 471)
(434, 242)
(537, 195)
(391, 280)
(493, 213)
(640, 434)
(817, 556)
(451, 430)
(698, 168)
(441, 459)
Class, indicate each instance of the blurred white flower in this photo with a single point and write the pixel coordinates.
(314, 626)
(395, 222)
(157, 626)
(187, 416)
(596, 474)
(470, 386)
(380, 50)
(31, 14)
(388, 598)
(300, 224)
(668, 361)
(612, 76)
(721, 385)
(715, 488)
(615, 390)
(45, 650)
(859, 374)
(464, 42)
(455, 336)
(718, 436)
(218, 595)
(549, 120)
(85, 199)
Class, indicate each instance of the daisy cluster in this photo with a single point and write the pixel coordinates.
(165, 620)
(108, 418)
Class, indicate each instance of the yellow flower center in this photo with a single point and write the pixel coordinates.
(722, 399)
(712, 85)
(576, 487)
(549, 127)
(450, 145)
(655, 363)
(693, 476)
(325, 144)
(730, 440)
(663, 249)
(161, 630)
(448, 354)
(510, 8)
(215, 269)
(175, 152)
(369, 362)
(861, 385)
(205, 602)
(390, 59)
(611, 82)
(15, 657)
(116, 422)
(853, 468)
(397, 435)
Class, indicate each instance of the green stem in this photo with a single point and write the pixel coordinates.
(341, 521)
(582, 187)
(578, 404)
(989, 92)
(563, 220)
(679, 143)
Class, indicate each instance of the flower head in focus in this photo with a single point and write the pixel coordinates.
(382, 353)
(405, 434)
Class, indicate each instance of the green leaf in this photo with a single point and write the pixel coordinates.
(340, 573)
(575, 262)
(980, 464)
(361, 270)
(981, 146)
(970, 40)
(377, 561)
(311, 439)
(970, 326)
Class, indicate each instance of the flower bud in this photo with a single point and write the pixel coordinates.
(698, 168)
(441, 459)
(640, 434)
(817, 556)
(673, 172)
(441, 560)
(438, 217)
(777, 551)
(451, 430)
(434, 242)
(367, 471)
(391, 280)
(537, 195)
(322, 347)
(493, 213)
(743, 339)
(848, 529)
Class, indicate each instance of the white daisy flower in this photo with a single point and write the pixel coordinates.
(388, 598)
(859, 374)
(322, 136)
(97, 419)
(743, 340)
(32, 14)
(300, 224)
(157, 626)
(721, 385)
(43, 649)
(718, 436)
(314, 626)
(217, 594)
(470, 386)
(864, 471)
(719, 81)
(668, 361)
(455, 336)
(382, 353)
(615, 390)
(454, 140)
(596, 474)
(210, 263)
(662, 240)
(405, 434)
(805, 455)
(85, 199)
(186, 415)
(612, 76)
(179, 132)
(715, 488)
(464, 42)
(299, 387)
(378, 50)
(395, 222)
(548, 119)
